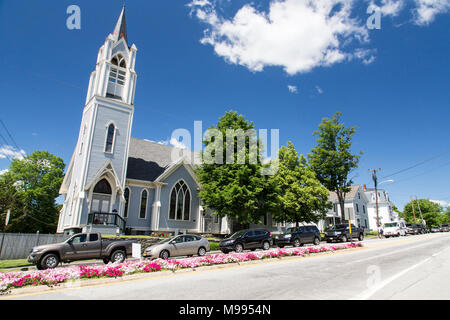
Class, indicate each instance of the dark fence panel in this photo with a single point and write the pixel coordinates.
(19, 245)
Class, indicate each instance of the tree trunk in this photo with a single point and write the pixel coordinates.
(341, 204)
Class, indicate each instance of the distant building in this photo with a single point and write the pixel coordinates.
(385, 208)
(355, 207)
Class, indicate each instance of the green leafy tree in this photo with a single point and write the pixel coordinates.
(332, 159)
(302, 197)
(231, 180)
(432, 212)
(29, 189)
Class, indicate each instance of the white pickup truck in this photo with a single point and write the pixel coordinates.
(394, 229)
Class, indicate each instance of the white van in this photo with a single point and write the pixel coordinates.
(394, 229)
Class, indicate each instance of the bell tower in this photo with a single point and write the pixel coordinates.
(95, 178)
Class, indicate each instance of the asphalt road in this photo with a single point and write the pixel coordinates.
(413, 267)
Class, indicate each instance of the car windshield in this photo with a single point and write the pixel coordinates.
(390, 225)
(237, 234)
(409, 225)
(338, 227)
(289, 230)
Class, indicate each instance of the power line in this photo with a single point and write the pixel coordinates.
(416, 165)
(6, 143)
(421, 174)
(9, 134)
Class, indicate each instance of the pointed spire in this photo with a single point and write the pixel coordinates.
(120, 31)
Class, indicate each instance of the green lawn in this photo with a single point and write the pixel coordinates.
(5, 264)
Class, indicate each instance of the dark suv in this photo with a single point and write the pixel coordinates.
(414, 228)
(247, 239)
(297, 236)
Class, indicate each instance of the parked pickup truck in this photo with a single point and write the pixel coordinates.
(81, 246)
(341, 232)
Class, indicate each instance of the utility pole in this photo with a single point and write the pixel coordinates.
(420, 210)
(374, 178)
(414, 211)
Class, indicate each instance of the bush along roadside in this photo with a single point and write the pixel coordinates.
(53, 277)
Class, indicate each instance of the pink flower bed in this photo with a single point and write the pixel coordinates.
(53, 277)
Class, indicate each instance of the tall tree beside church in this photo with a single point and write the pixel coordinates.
(232, 188)
(29, 189)
(332, 159)
(302, 197)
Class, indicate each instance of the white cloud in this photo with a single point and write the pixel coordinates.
(441, 203)
(292, 89)
(298, 35)
(319, 89)
(3, 171)
(427, 10)
(177, 144)
(388, 7)
(11, 153)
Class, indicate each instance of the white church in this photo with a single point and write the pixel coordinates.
(118, 184)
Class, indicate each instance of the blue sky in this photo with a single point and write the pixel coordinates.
(196, 61)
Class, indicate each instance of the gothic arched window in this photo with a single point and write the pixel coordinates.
(116, 77)
(111, 132)
(126, 195)
(103, 187)
(119, 60)
(180, 202)
(143, 211)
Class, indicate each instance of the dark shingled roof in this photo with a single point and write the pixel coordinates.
(147, 160)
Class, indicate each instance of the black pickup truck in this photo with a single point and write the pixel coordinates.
(81, 246)
(341, 232)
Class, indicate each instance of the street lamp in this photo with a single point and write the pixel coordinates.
(385, 181)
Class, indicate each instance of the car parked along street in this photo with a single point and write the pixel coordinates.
(82, 246)
(341, 232)
(247, 239)
(181, 245)
(298, 236)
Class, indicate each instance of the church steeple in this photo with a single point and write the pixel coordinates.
(120, 31)
(101, 154)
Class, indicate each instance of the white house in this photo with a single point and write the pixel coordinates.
(385, 212)
(355, 206)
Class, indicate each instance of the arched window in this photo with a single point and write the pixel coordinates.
(103, 187)
(119, 60)
(180, 202)
(143, 211)
(126, 195)
(116, 77)
(110, 138)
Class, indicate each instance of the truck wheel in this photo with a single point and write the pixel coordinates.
(201, 251)
(50, 261)
(316, 241)
(361, 237)
(239, 248)
(118, 256)
(344, 238)
(164, 254)
(105, 260)
(297, 243)
(266, 245)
